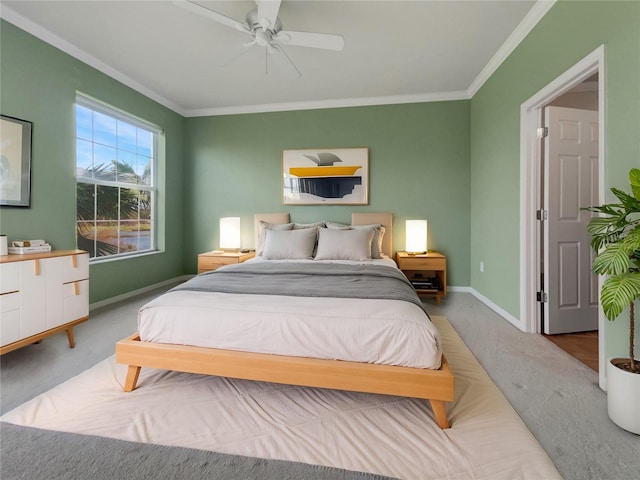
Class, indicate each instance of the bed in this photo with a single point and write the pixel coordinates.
(423, 375)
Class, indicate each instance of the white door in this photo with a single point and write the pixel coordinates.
(571, 180)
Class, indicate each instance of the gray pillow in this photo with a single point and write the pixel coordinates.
(378, 234)
(341, 244)
(289, 244)
(300, 226)
(262, 232)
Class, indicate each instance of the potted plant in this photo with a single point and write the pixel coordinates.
(615, 236)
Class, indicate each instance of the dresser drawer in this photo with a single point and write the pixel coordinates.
(9, 277)
(9, 327)
(9, 302)
(75, 267)
(75, 300)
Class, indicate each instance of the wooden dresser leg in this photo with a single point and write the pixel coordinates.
(440, 412)
(132, 378)
(72, 342)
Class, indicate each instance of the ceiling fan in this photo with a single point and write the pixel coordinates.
(265, 29)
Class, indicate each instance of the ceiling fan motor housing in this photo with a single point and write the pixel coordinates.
(254, 23)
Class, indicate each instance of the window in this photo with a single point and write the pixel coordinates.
(116, 159)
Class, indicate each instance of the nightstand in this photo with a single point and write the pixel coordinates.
(218, 258)
(427, 272)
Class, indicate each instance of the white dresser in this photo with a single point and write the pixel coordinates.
(42, 294)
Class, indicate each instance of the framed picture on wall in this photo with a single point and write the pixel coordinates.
(335, 176)
(15, 162)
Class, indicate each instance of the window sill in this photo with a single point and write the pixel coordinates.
(126, 256)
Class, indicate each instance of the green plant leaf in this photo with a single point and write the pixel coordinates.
(634, 180)
(605, 226)
(630, 203)
(632, 240)
(618, 292)
(613, 209)
(604, 230)
(613, 260)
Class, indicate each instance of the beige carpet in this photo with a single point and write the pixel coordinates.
(362, 432)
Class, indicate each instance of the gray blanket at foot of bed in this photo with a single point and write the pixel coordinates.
(307, 280)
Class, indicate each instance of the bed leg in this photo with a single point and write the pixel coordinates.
(132, 378)
(440, 412)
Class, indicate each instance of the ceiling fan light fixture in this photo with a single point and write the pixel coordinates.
(263, 37)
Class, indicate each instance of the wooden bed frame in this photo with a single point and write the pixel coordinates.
(437, 386)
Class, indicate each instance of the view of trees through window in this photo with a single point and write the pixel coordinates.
(115, 188)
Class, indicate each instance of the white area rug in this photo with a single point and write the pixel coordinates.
(363, 432)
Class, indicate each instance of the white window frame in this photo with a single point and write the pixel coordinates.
(115, 113)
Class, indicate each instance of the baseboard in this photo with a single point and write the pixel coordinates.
(140, 291)
(459, 289)
(499, 310)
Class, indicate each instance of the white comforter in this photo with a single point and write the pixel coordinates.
(388, 332)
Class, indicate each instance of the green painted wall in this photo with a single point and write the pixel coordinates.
(418, 163)
(570, 31)
(454, 163)
(38, 83)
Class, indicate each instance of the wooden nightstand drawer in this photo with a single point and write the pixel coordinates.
(216, 259)
(421, 263)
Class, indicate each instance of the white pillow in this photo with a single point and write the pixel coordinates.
(339, 244)
(289, 244)
(262, 232)
(378, 234)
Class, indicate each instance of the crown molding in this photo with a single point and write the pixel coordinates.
(45, 35)
(523, 29)
(332, 103)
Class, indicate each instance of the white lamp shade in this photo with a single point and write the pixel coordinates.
(416, 240)
(230, 233)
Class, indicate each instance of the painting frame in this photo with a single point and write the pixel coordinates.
(325, 176)
(15, 162)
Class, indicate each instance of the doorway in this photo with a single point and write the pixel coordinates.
(570, 157)
(534, 260)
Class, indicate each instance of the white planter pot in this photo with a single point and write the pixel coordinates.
(623, 397)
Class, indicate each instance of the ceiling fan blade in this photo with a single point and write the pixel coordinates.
(215, 16)
(233, 54)
(282, 61)
(268, 12)
(325, 41)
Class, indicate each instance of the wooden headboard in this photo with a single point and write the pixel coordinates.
(383, 218)
(357, 218)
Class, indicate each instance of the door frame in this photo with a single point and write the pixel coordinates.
(531, 112)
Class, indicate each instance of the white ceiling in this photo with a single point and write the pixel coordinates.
(395, 51)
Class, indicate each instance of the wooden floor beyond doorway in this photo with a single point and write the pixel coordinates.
(581, 345)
